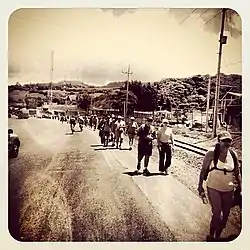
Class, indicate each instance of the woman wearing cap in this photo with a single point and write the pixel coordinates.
(220, 169)
(131, 131)
(165, 141)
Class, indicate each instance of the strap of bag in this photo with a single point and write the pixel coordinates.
(216, 159)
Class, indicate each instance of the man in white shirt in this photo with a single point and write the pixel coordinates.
(165, 145)
(119, 130)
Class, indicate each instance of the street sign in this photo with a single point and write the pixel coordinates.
(224, 40)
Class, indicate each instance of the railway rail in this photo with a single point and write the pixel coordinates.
(190, 147)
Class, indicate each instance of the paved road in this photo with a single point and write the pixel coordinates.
(62, 189)
(65, 187)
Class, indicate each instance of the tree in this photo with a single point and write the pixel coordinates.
(168, 105)
(84, 101)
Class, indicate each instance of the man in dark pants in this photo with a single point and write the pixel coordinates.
(165, 145)
(146, 134)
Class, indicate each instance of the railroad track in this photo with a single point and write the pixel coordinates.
(190, 147)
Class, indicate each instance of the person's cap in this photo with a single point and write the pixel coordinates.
(113, 115)
(119, 117)
(150, 119)
(165, 121)
(132, 118)
(224, 135)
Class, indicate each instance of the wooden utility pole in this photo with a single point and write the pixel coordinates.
(217, 90)
(208, 99)
(51, 74)
(128, 73)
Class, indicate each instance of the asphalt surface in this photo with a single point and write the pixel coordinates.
(65, 187)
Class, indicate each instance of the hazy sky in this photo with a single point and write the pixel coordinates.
(95, 45)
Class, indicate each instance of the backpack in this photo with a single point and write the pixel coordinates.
(216, 158)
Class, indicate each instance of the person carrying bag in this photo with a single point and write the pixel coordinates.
(220, 170)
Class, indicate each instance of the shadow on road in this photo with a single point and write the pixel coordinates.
(155, 174)
(132, 173)
(140, 173)
(104, 148)
(68, 133)
(96, 145)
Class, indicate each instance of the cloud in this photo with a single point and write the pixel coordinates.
(100, 74)
(211, 19)
(117, 12)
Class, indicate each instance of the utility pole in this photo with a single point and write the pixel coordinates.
(51, 74)
(217, 90)
(208, 99)
(128, 73)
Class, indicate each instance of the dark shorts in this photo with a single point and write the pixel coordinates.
(145, 148)
(106, 133)
(131, 135)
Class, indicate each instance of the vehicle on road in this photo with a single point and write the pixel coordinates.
(13, 144)
(23, 115)
(46, 116)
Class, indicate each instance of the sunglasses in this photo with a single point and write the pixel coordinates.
(226, 141)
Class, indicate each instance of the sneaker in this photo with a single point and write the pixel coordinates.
(146, 172)
(136, 172)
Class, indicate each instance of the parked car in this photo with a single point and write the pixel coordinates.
(46, 116)
(13, 144)
(23, 115)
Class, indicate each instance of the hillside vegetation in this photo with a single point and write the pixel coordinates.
(168, 93)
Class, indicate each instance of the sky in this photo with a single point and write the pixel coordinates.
(96, 45)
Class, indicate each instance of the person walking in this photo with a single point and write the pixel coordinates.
(100, 127)
(94, 122)
(220, 170)
(119, 130)
(131, 131)
(106, 131)
(72, 124)
(165, 144)
(113, 127)
(146, 134)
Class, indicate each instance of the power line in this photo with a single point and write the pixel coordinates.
(233, 64)
(202, 14)
(187, 16)
(211, 19)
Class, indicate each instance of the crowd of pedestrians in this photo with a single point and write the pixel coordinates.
(220, 168)
(113, 130)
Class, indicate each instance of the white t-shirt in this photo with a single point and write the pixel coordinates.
(164, 134)
(120, 125)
